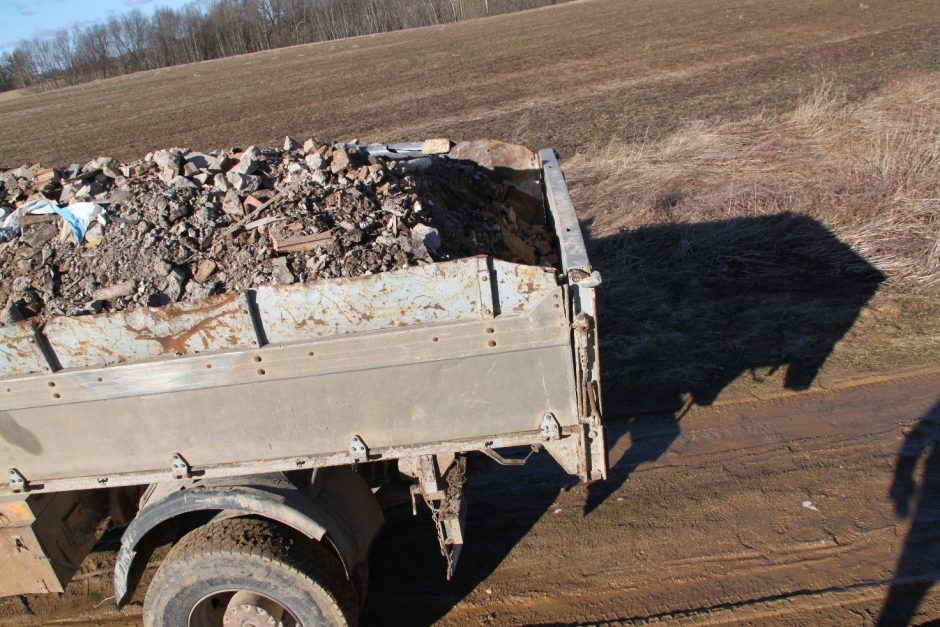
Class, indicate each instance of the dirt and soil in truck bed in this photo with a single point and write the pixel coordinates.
(180, 225)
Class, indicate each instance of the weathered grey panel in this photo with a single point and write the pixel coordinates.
(573, 252)
(214, 324)
(468, 397)
(443, 292)
(520, 288)
(392, 388)
(436, 293)
(19, 350)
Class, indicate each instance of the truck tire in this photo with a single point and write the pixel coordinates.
(250, 571)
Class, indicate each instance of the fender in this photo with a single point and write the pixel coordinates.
(337, 506)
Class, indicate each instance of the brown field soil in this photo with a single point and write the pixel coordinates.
(573, 76)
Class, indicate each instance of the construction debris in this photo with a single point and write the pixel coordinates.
(183, 225)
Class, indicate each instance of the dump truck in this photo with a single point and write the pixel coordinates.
(264, 432)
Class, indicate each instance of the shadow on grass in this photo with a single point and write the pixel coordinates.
(689, 308)
(685, 309)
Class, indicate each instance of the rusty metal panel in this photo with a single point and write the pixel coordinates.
(443, 292)
(397, 388)
(520, 288)
(434, 293)
(26, 568)
(214, 324)
(20, 351)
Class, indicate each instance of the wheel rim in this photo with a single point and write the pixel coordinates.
(240, 608)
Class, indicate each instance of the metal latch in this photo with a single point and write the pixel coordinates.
(583, 279)
(18, 482)
(358, 449)
(180, 467)
(549, 429)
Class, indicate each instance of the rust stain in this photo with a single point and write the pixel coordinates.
(178, 342)
(526, 286)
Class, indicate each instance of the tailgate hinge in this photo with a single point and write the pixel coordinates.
(179, 467)
(18, 482)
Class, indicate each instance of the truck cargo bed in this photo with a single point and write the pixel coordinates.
(461, 355)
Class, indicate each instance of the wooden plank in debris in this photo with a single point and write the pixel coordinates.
(82, 176)
(300, 243)
(241, 223)
(45, 177)
(254, 224)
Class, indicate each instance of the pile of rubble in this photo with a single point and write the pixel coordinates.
(183, 225)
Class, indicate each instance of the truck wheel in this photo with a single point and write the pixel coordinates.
(246, 571)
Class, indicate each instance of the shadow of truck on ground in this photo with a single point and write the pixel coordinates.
(688, 308)
(685, 309)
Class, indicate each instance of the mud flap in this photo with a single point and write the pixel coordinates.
(451, 517)
(445, 493)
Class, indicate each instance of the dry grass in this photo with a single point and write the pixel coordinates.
(759, 246)
(869, 171)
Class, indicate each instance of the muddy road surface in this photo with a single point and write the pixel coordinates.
(820, 508)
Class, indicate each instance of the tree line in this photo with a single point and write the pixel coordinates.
(204, 30)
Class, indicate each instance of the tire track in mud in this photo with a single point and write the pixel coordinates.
(715, 531)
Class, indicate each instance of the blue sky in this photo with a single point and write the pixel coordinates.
(25, 19)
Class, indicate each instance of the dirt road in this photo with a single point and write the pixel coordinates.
(796, 511)
(742, 512)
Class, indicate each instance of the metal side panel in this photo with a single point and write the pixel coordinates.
(214, 324)
(20, 352)
(435, 293)
(396, 388)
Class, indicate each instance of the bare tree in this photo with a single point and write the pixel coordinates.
(219, 28)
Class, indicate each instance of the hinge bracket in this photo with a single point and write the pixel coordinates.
(358, 449)
(18, 482)
(549, 429)
(179, 467)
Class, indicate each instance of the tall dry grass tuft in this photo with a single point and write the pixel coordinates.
(870, 171)
(756, 246)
